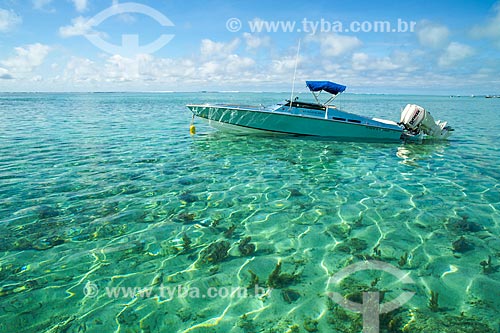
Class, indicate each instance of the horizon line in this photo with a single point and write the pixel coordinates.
(231, 91)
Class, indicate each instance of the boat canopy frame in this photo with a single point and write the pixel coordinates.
(317, 87)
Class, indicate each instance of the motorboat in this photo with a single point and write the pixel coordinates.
(294, 117)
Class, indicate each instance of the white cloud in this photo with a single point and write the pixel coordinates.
(146, 69)
(27, 58)
(211, 49)
(8, 20)
(218, 61)
(81, 70)
(120, 68)
(210, 68)
(41, 4)
(491, 29)
(36, 78)
(255, 42)
(455, 52)
(80, 5)
(235, 63)
(361, 61)
(4, 74)
(230, 68)
(407, 61)
(285, 65)
(432, 35)
(166, 69)
(114, 69)
(225, 65)
(80, 26)
(332, 45)
(484, 74)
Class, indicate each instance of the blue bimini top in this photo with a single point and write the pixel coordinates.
(331, 87)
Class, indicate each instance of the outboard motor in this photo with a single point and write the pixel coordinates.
(417, 120)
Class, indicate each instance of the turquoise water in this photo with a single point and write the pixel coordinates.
(106, 191)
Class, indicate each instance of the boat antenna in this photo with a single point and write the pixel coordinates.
(295, 73)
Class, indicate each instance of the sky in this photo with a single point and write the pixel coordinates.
(416, 47)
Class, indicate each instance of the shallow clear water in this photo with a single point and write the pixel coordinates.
(104, 191)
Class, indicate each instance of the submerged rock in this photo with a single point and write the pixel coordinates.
(341, 230)
(353, 246)
(215, 252)
(290, 295)
(47, 243)
(188, 197)
(310, 325)
(230, 231)
(45, 211)
(294, 192)
(187, 180)
(185, 218)
(245, 247)
(22, 243)
(462, 245)
(448, 324)
(25, 243)
(464, 225)
(279, 280)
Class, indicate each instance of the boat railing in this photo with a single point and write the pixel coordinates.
(241, 106)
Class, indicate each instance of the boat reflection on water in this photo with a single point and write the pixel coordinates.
(412, 154)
